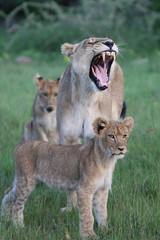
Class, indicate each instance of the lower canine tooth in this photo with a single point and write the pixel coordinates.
(93, 72)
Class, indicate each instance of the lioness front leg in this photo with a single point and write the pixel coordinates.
(85, 213)
(100, 206)
(68, 139)
(69, 130)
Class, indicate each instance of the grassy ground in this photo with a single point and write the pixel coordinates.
(134, 206)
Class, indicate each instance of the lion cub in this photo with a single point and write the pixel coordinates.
(86, 169)
(43, 126)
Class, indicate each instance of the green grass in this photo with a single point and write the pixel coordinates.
(134, 203)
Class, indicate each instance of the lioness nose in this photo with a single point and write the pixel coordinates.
(121, 149)
(109, 43)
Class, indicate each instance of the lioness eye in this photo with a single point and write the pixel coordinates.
(93, 42)
(111, 136)
(45, 94)
(124, 136)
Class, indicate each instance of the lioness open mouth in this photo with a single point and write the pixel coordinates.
(100, 69)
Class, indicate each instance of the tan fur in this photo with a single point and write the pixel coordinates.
(80, 101)
(43, 126)
(86, 169)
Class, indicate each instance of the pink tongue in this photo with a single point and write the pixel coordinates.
(101, 74)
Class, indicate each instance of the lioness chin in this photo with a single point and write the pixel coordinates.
(92, 87)
(86, 169)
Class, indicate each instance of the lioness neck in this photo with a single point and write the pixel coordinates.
(81, 87)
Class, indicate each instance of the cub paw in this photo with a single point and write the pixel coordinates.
(66, 209)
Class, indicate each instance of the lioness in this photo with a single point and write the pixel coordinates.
(86, 169)
(92, 87)
(43, 126)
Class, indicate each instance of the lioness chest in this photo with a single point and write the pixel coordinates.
(85, 114)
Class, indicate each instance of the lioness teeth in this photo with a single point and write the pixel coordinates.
(103, 56)
(113, 55)
(93, 71)
(98, 57)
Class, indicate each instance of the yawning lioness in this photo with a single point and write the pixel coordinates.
(92, 87)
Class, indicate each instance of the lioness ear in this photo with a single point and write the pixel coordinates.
(68, 49)
(38, 80)
(99, 125)
(128, 122)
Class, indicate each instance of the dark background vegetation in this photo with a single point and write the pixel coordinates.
(29, 26)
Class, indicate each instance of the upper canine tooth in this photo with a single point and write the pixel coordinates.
(103, 56)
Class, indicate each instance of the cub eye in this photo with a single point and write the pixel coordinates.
(45, 94)
(125, 135)
(111, 136)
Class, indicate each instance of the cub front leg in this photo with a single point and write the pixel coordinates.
(85, 213)
(100, 206)
(71, 201)
(42, 133)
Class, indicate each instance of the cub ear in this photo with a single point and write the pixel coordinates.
(128, 122)
(68, 49)
(99, 125)
(38, 80)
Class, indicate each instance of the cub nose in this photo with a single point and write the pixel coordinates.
(49, 109)
(109, 43)
(121, 149)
